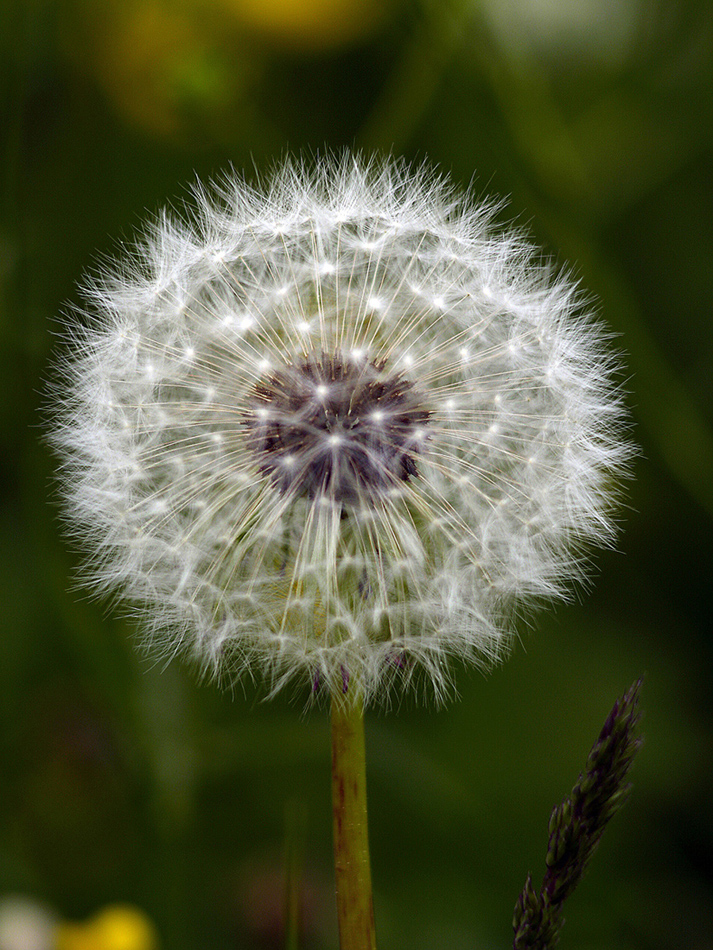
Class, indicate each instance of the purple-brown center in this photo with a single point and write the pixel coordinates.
(343, 429)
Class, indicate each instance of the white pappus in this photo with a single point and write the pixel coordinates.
(337, 425)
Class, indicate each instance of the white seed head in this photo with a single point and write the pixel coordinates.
(338, 427)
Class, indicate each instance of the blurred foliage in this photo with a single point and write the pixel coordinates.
(123, 782)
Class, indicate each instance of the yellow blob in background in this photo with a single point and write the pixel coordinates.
(117, 927)
(311, 24)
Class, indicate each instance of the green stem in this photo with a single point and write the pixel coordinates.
(355, 910)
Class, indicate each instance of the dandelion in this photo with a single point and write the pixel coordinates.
(337, 427)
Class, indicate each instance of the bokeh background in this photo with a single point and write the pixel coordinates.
(123, 781)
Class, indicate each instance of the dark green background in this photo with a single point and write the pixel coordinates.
(123, 781)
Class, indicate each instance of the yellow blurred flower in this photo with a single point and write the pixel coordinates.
(117, 927)
(311, 24)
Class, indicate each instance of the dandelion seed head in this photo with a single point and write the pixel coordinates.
(337, 427)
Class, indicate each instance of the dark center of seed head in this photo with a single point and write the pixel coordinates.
(348, 430)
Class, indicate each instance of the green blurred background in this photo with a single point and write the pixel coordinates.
(121, 781)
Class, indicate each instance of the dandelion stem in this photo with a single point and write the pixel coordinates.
(355, 909)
